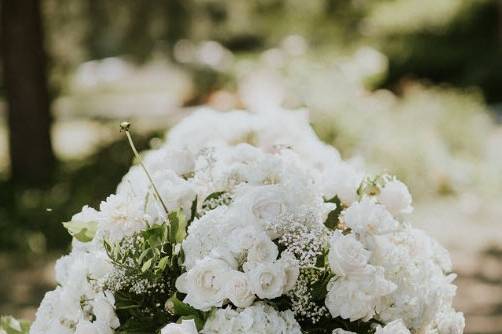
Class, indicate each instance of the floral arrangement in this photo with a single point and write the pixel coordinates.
(247, 223)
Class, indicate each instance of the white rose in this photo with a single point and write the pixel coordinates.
(396, 197)
(265, 203)
(267, 207)
(291, 269)
(204, 284)
(238, 290)
(368, 217)
(267, 280)
(263, 250)
(186, 327)
(347, 255)
(395, 327)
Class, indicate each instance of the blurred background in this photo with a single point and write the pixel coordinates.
(411, 87)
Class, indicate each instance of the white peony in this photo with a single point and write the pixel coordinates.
(267, 280)
(186, 327)
(395, 327)
(395, 197)
(204, 284)
(347, 255)
(355, 297)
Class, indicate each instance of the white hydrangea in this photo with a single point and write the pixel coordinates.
(257, 319)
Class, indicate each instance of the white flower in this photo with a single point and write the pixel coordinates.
(104, 310)
(186, 327)
(120, 217)
(238, 290)
(395, 327)
(257, 319)
(451, 323)
(267, 280)
(368, 217)
(263, 250)
(260, 204)
(347, 255)
(291, 269)
(181, 161)
(204, 284)
(356, 297)
(175, 191)
(341, 331)
(86, 327)
(395, 197)
(342, 180)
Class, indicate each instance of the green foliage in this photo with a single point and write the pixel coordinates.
(333, 217)
(185, 311)
(82, 231)
(147, 265)
(10, 325)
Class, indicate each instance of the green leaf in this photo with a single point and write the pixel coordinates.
(163, 263)
(177, 307)
(193, 211)
(178, 226)
(214, 195)
(10, 325)
(146, 265)
(320, 288)
(82, 231)
(333, 217)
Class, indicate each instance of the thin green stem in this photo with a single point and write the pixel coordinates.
(125, 127)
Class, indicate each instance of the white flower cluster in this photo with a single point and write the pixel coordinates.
(259, 189)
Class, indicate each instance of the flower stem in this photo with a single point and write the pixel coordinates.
(124, 126)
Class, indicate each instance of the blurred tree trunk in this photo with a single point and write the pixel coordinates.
(25, 77)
